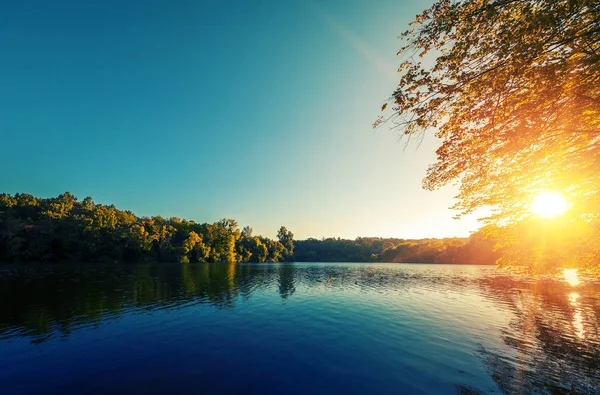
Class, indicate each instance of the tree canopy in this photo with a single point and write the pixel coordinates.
(512, 89)
(63, 228)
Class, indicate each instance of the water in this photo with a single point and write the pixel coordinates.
(294, 328)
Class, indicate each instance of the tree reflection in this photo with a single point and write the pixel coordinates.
(42, 302)
(554, 334)
(552, 339)
(286, 280)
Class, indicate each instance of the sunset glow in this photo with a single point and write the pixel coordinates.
(549, 204)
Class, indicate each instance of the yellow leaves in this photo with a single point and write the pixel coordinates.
(507, 82)
(546, 245)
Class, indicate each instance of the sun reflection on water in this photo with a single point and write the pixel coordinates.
(571, 276)
(577, 317)
(573, 296)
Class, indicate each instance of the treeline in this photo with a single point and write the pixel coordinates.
(477, 249)
(63, 228)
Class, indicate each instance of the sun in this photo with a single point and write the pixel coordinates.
(549, 204)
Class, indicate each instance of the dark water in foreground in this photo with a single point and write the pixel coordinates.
(294, 328)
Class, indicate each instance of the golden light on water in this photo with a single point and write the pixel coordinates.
(571, 276)
(549, 204)
(577, 316)
(573, 296)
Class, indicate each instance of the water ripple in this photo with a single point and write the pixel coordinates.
(420, 328)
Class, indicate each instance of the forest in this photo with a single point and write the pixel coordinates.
(63, 228)
(476, 249)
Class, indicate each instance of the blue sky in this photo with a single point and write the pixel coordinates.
(255, 110)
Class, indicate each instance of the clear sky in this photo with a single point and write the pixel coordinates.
(255, 110)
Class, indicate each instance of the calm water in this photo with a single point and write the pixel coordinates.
(294, 328)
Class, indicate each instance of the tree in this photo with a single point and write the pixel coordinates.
(286, 238)
(274, 249)
(513, 88)
(193, 249)
(64, 228)
(247, 231)
(223, 236)
(258, 251)
(244, 246)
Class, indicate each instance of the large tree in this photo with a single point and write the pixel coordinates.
(286, 238)
(512, 89)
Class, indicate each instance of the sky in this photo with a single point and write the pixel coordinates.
(255, 110)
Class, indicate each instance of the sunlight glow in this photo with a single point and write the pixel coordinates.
(577, 317)
(571, 276)
(549, 204)
(573, 296)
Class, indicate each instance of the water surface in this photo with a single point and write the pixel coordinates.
(294, 328)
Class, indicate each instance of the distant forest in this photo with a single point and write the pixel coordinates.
(63, 228)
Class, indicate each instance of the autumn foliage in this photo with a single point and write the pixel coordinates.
(512, 90)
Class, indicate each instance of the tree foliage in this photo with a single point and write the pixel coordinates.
(477, 249)
(63, 228)
(286, 238)
(513, 89)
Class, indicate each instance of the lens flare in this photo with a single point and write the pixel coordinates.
(549, 204)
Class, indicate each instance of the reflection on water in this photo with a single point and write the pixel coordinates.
(375, 328)
(577, 317)
(554, 331)
(571, 276)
